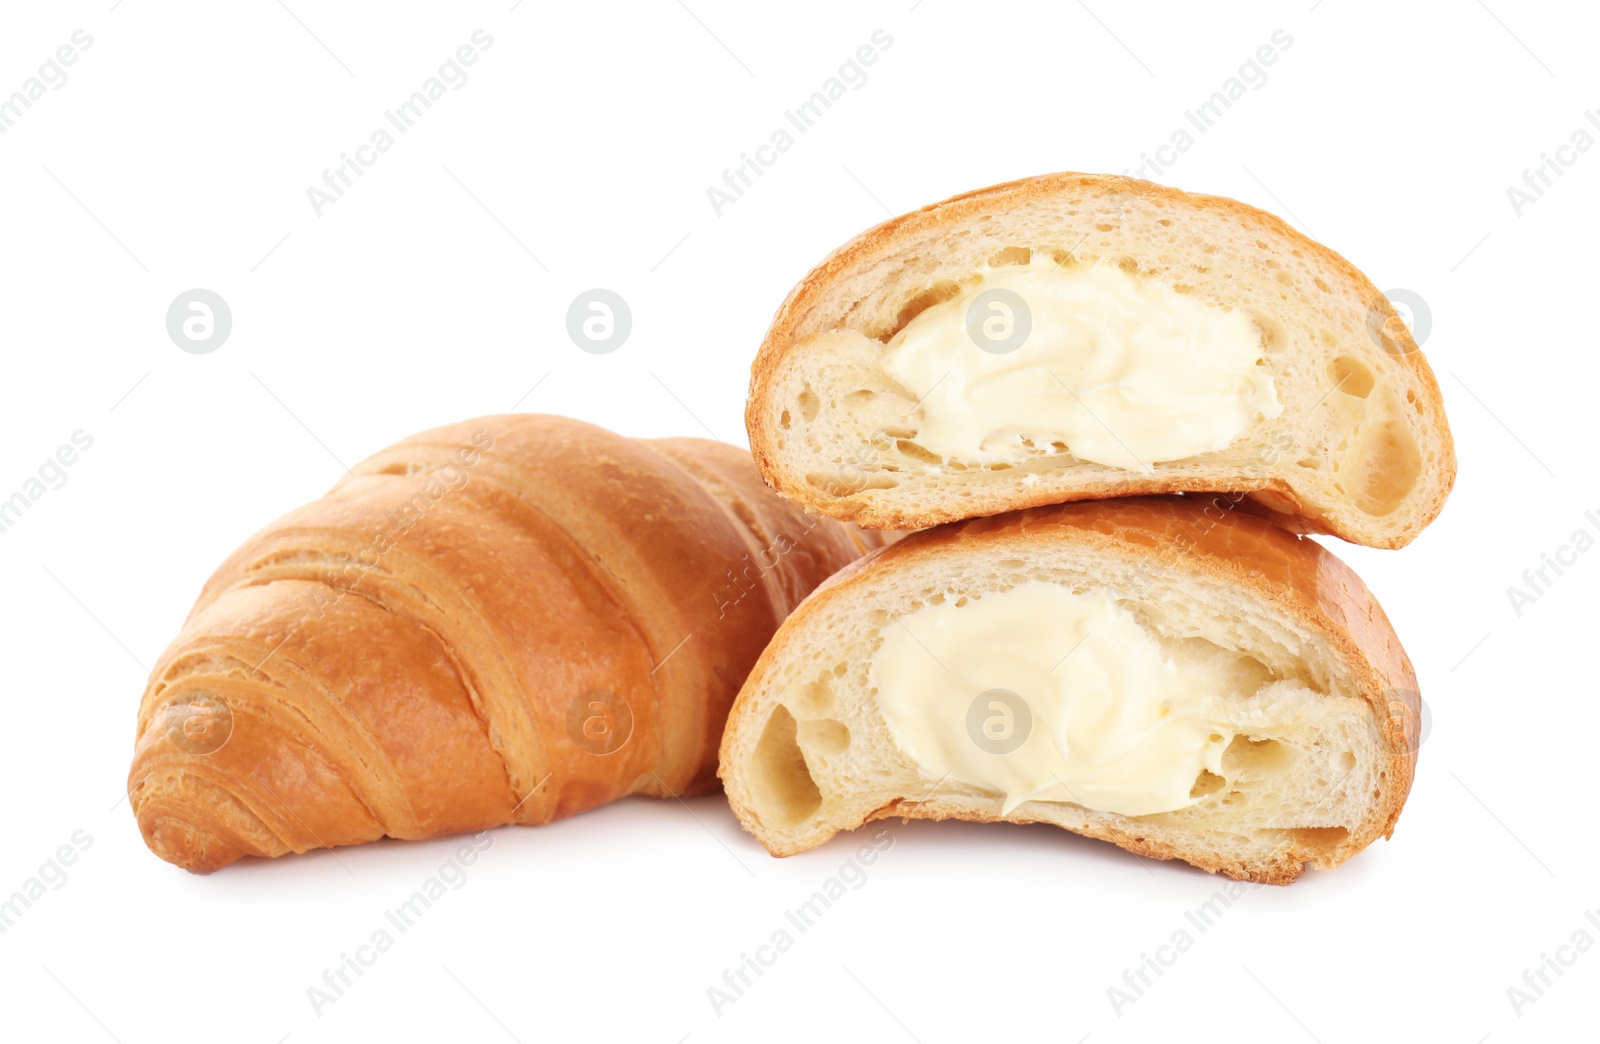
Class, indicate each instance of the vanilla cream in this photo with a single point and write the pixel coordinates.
(1122, 371)
(1040, 693)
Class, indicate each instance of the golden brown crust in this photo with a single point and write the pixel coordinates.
(420, 652)
(793, 321)
(1202, 535)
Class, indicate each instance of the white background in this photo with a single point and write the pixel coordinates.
(578, 154)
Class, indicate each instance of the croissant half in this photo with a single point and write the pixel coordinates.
(1185, 680)
(508, 620)
(1079, 336)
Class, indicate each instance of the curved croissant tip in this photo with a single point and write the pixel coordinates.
(185, 844)
(188, 846)
(162, 784)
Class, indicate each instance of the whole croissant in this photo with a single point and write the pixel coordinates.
(508, 620)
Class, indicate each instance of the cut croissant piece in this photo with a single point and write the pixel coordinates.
(1184, 680)
(1076, 337)
(509, 620)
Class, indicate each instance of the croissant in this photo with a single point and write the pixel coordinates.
(509, 620)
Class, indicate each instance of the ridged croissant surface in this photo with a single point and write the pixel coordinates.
(508, 620)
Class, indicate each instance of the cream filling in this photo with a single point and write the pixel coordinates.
(1040, 693)
(1123, 371)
